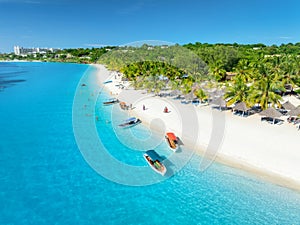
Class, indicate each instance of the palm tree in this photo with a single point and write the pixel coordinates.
(245, 70)
(175, 84)
(296, 66)
(218, 71)
(200, 94)
(290, 71)
(154, 84)
(138, 82)
(238, 91)
(266, 90)
(186, 86)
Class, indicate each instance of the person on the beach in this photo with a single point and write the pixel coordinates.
(166, 110)
(144, 107)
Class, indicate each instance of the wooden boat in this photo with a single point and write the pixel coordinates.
(130, 122)
(172, 141)
(111, 101)
(124, 106)
(154, 161)
(107, 82)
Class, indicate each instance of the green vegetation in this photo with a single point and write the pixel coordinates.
(259, 73)
(152, 75)
(157, 68)
(254, 74)
(81, 55)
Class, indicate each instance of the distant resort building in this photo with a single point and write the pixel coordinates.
(32, 51)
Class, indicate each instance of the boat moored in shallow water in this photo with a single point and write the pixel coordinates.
(154, 161)
(172, 141)
(130, 122)
(111, 101)
(107, 82)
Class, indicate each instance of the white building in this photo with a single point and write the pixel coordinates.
(17, 50)
(28, 51)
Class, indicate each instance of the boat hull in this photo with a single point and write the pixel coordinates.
(174, 147)
(128, 125)
(152, 165)
(111, 102)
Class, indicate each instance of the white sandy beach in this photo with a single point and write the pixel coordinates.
(270, 151)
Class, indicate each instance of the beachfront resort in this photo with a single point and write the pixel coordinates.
(149, 112)
(258, 99)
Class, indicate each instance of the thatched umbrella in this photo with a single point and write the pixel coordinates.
(295, 112)
(164, 92)
(175, 92)
(219, 102)
(216, 93)
(190, 96)
(272, 113)
(211, 94)
(241, 106)
(288, 106)
(221, 92)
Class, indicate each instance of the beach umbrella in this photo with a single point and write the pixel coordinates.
(272, 113)
(221, 92)
(164, 92)
(190, 96)
(295, 112)
(175, 92)
(241, 106)
(216, 93)
(219, 102)
(211, 93)
(288, 106)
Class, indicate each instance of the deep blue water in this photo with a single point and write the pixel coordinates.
(44, 178)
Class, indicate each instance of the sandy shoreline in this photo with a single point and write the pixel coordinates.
(268, 151)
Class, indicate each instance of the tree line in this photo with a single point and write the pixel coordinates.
(261, 73)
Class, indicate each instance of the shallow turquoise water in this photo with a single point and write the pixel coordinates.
(45, 180)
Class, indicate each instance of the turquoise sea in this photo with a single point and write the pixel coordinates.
(44, 178)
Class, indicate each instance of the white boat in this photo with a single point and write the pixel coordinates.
(172, 141)
(130, 122)
(154, 161)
